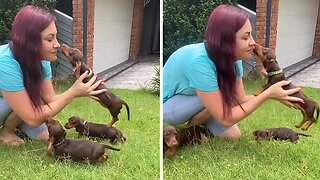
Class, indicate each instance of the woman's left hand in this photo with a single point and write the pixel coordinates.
(86, 89)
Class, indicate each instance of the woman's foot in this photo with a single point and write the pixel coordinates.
(10, 138)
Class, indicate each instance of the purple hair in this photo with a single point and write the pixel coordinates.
(220, 40)
(26, 45)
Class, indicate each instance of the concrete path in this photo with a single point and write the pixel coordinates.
(140, 74)
(137, 76)
(309, 77)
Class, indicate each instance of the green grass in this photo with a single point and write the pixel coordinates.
(247, 159)
(138, 158)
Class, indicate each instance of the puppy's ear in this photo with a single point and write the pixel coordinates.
(71, 51)
(265, 51)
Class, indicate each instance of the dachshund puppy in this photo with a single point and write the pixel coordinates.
(76, 150)
(174, 138)
(278, 134)
(107, 99)
(275, 74)
(95, 130)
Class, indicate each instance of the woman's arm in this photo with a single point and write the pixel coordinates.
(21, 104)
(212, 101)
(244, 98)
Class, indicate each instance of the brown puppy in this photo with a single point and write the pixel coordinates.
(106, 99)
(278, 134)
(174, 138)
(76, 150)
(275, 74)
(95, 130)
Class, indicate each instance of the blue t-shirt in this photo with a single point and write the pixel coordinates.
(189, 68)
(11, 76)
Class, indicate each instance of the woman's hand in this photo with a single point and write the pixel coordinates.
(278, 93)
(86, 89)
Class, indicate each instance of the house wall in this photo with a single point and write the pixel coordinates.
(112, 24)
(136, 29)
(316, 45)
(78, 28)
(261, 23)
(296, 30)
(293, 27)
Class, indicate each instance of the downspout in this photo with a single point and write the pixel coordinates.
(85, 27)
(268, 28)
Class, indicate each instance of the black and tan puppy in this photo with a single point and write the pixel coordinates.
(95, 130)
(275, 74)
(106, 99)
(76, 150)
(174, 138)
(278, 134)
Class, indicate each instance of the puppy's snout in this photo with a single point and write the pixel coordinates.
(173, 143)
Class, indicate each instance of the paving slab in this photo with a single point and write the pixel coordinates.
(137, 76)
(309, 77)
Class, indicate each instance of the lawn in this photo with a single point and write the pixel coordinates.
(138, 158)
(247, 159)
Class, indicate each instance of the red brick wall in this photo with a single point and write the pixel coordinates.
(137, 22)
(78, 28)
(261, 23)
(316, 45)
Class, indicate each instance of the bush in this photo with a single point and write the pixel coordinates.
(184, 22)
(8, 10)
(155, 81)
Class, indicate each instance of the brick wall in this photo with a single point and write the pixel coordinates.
(316, 45)
(261, 24)
(78, 28)
(136, 29)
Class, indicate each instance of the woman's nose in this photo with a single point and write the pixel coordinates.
(56, 45)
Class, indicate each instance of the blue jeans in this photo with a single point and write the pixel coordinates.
(31, 132)
(181, 108)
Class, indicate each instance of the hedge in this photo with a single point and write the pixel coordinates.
(8, 10)
(184, 22)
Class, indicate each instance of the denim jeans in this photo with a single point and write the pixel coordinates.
(181, 108)
(31, 132)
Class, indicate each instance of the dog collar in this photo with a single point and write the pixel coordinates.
(275, 73)
(59, 143)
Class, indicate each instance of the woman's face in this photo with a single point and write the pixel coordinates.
(50, 43)
(244, 42)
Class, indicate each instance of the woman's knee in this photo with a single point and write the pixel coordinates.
(42, 136)
(231, 133)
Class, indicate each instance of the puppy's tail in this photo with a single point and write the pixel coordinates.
(110, 147)
(127, 107)
(306, 135)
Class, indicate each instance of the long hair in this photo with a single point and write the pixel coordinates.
(26, 46)
(220, 40)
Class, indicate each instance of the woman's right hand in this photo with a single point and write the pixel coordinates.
(278, 93)
(86, 89)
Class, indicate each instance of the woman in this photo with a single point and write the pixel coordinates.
(27, 97)
(205, 79)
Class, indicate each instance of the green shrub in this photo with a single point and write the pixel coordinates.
(155, 81)
(8, 10)
(184, 22)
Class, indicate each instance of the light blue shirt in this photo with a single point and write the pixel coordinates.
(189, 68)
(11, 76)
